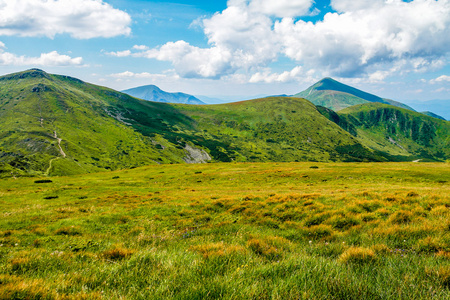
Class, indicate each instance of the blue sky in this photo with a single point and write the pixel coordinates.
(393, 48)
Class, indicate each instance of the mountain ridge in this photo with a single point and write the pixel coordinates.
(153, 93)
(335, 95)
(60, 125)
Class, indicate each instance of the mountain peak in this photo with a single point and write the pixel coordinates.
(31, 73)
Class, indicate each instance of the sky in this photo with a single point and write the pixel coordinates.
(237, 48)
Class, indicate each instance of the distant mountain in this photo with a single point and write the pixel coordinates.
(431, 114)
(396, 132)
(211, 100)
(336, 96)
(442, 107)
(154, 93)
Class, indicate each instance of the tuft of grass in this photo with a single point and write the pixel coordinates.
(358, 256)
(117, 253)
(429, 245)
(401, 217)
(220, 249)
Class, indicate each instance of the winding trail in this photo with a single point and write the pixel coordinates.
(50, 165)
(63, 154)
(59, 145)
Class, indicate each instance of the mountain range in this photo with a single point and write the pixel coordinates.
(154, 93)
(59, 125)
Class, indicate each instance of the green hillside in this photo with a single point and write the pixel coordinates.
(397, 132)
(337, 96)
(58, 125)
(272, 129)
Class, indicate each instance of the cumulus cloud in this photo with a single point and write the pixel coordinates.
(373, 32)
(143, 75)
(140, 47)
(282, 8)
(120, 53)
(374, 39)
(82, 19)
(46, 59)
(268, 77)
(441, 79)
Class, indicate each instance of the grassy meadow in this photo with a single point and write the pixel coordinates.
(229, 231)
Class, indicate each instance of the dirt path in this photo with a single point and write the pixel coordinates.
(50, 165)
(59, 145)
(63, 154)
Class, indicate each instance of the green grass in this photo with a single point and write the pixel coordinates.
(233, 231)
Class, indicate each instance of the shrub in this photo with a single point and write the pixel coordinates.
(358, 255)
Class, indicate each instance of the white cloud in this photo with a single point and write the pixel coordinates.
(120, 53)
(144, 75)
(373, 39)
(443, 78)
(268, 77)
(442, 89)
(282, 8)
(140, 47)
(364, 34)
(82, 19)
(46, 59)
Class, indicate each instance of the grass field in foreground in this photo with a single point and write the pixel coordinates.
(233, 231)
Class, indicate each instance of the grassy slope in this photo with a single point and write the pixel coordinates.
(103, 129)
(230, 231)
(275, 129)
(337, 96)
(399, 132)
(34, 105)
